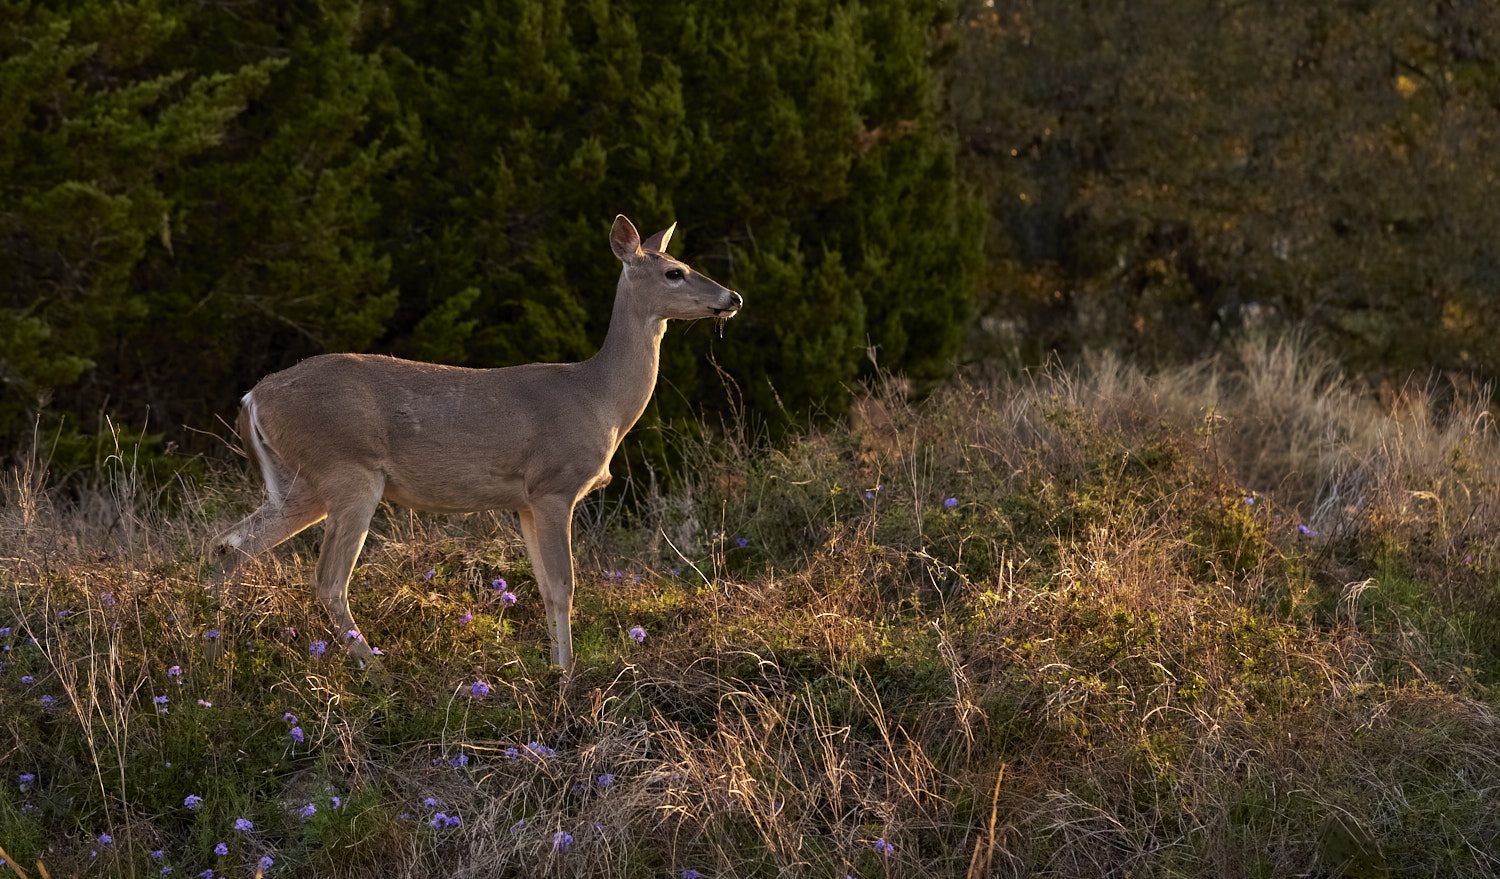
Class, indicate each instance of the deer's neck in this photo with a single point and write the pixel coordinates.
(624, 370)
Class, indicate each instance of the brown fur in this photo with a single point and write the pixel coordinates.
(336, 434)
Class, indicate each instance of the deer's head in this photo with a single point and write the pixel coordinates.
(662, 286)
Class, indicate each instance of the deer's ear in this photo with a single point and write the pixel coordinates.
(659, 241)
(624, 240)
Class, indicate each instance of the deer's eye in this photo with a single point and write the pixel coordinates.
(674, 274)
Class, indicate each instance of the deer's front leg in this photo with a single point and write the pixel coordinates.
(548, 530)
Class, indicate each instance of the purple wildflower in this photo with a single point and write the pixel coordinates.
(439, 821)
(308, 811)
(193, 801)
(106, 839)
(453, 821)
(353, 635)
(243, 826)
(742, 542)
(64, 614)
(175, 672)
(540, 749)
(606, 780)
(1306, 530)
(562, 841)
(108, 599)
(166, 871)
(509, 598)
(690, 873)
(430, 802)
(460, 760)
(4, 631)
(28, 679)
(27, 780)
(1249, 501)
(161, 703)
(289, 717)
(212, 634)
(676, 571)
(264, 863)
(221, 849)
(47, 700)
(479, 689)
(499, 583)
(639, 634)
(884, 848)
(466, 618)
(206, 874)
(512, 753)
(297, 734)
(335, 802)
(518, 827)
(950, 503)
(158, 855)
(318, 648)
(204, 703)
(431, 572)
(377, 651)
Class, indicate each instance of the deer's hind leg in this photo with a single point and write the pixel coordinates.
(343, 537)
(274, 523)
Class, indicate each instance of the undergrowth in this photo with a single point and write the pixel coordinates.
(1235, 620)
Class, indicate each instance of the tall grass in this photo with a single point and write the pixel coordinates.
(1232, 620)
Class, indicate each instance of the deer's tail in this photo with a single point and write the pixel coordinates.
(255, 438)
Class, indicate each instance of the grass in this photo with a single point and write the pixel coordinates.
(1233, 620)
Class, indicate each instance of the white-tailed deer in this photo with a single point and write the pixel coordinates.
(337, 433)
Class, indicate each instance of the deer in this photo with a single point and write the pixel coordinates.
(336, 434)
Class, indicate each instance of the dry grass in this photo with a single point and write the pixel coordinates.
(1101, 659)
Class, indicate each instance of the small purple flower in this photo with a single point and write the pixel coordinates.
(28, 679)
(318, 648)
(430, 802)
(1249, 501)
(297, 734)
(453, 821)
(562, 841)
(221, 849)
(742, 542)
(106, 839)
(479, 689)
(166, 871)
(1306, 530)
(509, 598)
(460, 761)
(158, 855)
(243, 826)
(540, 749)
(4, 631)
(639, 634)
(206, 874)
(431, 572)
(27, 808)
(47, 701)
(161, 704)
(193, 801)
(606, 780)
(869, 495)
(289, 717)
(204, 703)
(212, 634)
(518, 827)
(377, 651)
(353, 635)
(335, 803)
(27, 780)
(64, 614)
(466, 618)
(264, 863)
(676, 571)
(175, 672)
(950, 503)
(690, 873)
(439, 821)
(512, 753)
(884, 848)
(108, 599)
(308, 811)
(499, 584)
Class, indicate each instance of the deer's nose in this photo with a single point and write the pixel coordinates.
(735, 300)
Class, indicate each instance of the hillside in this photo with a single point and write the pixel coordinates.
(1236, 619)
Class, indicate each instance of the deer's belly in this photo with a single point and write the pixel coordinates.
(459, 495)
